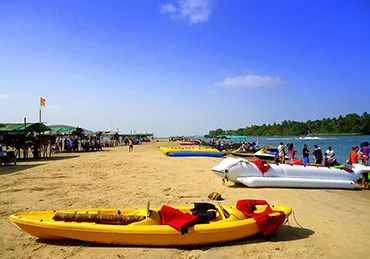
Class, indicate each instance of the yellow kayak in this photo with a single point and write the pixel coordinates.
(145, 227)
(193, 151)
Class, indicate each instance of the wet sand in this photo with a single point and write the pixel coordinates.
(325, 224)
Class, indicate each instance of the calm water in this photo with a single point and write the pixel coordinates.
(342, 145)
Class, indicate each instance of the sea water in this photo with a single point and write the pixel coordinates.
(342, 145)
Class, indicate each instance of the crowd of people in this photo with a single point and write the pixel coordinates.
(327, 158)
(358, 155)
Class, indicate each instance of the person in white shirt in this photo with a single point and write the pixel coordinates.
(281, 150)
(330, 157)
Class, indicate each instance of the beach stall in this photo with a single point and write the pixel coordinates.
(68, 138)
(25, 136)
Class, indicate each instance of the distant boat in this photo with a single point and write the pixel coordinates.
(309, 137)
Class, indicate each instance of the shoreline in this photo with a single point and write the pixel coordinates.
(116, 178)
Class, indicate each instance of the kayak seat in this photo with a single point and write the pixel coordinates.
(205, 211)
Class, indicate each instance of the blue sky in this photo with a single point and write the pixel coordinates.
(183, 67)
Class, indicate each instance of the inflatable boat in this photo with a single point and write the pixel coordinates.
(260, 173)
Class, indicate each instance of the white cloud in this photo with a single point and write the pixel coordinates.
(4, 97)
(168, 8)
(250, 81)
(197, 11)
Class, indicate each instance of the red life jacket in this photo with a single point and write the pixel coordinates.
(266, 223)
(177, 219)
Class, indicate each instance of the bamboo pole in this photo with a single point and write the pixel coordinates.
(98, 218)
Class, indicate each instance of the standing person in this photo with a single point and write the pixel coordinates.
(130, 145)
(365, 152)
(257, 146)
(306, 154)
(317, 154)
(353, 156)
(72, 144)
(242, 147)
(365, 176)
(291, 151)
(66, 145)
(282, 154)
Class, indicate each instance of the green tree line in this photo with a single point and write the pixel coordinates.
(350, 124)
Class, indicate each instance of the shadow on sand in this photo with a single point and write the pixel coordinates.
(30, 163)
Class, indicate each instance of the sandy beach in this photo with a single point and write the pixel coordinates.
(325, 224)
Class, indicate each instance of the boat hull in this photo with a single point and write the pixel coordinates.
(183, 151)
(148, 232)
(184, 143)
(288, 175)
(296, 183)
(242, 153)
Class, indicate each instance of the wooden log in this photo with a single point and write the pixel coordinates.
(98, 218)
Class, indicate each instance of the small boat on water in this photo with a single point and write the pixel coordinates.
(260, 173)
(193, 151)
(202, 224)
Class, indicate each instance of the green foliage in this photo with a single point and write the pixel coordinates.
(350, 124)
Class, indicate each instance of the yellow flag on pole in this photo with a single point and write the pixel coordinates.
(42, 101)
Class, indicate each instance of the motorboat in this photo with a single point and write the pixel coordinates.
(268, 152)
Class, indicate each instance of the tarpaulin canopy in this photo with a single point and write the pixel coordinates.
(64, 130)
(138, 135)
(19, 127)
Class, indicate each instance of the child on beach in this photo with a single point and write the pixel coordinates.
(130, 145)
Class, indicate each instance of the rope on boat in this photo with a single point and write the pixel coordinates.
(295, 219)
